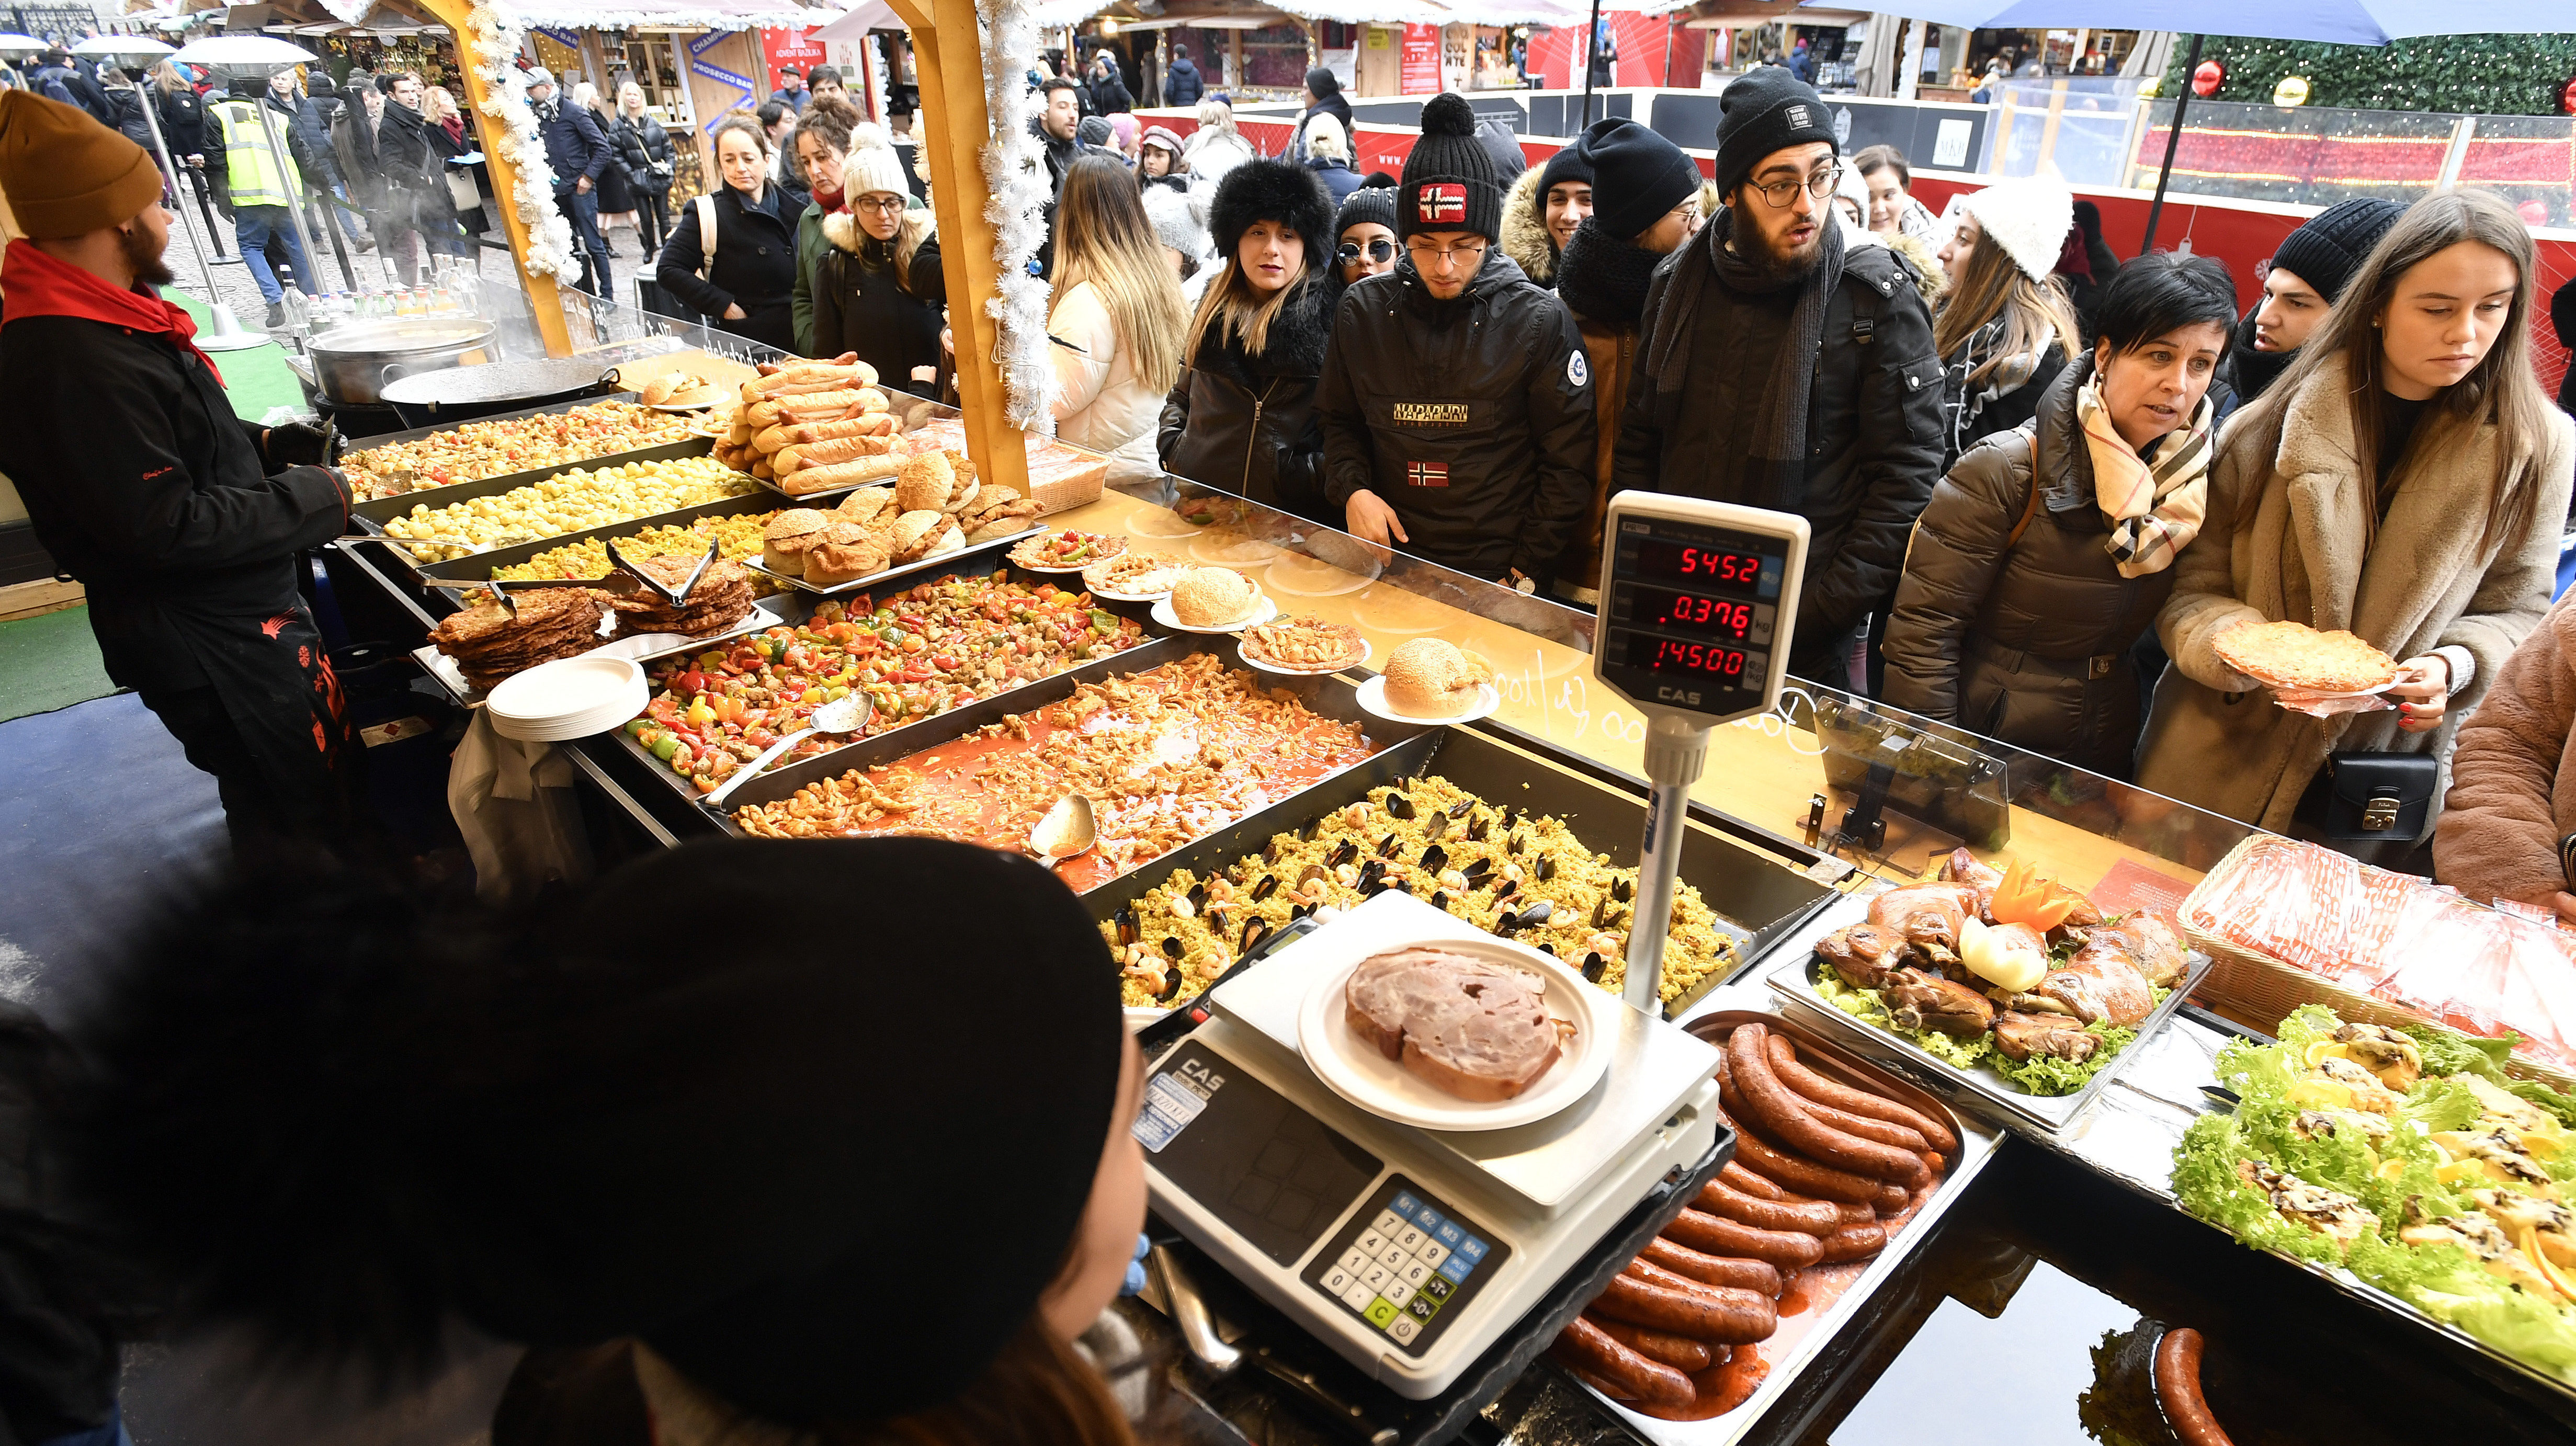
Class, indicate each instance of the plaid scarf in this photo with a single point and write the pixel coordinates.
(2155, 507)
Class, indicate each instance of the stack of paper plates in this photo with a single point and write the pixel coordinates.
(568, 698)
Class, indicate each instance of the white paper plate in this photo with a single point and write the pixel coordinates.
(568, 698)
(1264, 612)
(1127, 596)
(1352, 1067)
(1250, 661)
(1372, 696)
(1301, 576)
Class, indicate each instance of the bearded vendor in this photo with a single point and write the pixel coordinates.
(182, 521)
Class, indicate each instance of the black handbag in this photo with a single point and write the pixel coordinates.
(2379, 797)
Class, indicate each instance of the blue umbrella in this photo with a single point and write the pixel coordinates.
(2341, 22)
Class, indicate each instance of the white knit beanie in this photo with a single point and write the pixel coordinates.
(872, 168)
(2029, 217)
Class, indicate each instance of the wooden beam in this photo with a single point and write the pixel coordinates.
(949, 64)
(505, 177)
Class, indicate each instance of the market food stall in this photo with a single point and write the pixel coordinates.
(1971, 1071)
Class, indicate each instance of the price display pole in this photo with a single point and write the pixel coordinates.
(1698, 603)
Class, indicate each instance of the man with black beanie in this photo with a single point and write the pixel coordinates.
(2309, 273)
(1780, 370)
(1456, 396)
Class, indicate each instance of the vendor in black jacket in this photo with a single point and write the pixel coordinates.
(1781, 368)
(182, 521)
(1456, 398)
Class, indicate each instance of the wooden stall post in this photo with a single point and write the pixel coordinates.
(948, 62)
(505, 179)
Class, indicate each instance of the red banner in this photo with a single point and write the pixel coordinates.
(1421, 60)
(787, 47)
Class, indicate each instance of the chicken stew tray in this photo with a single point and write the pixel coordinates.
(1934, 1027)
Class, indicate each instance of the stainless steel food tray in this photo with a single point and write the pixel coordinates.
(459, 575)
(1793, 978)
(1741, 1003)
(383, 509)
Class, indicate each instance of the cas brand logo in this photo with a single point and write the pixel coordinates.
(1687, 697)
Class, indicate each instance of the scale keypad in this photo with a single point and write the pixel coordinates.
(1406, 1264)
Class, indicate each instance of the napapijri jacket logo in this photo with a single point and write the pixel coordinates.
(1430, 414)
(1426, 474)
(1441, 203)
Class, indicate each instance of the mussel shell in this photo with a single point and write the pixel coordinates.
(1399, 805)
(1399, 885)
(1623, 889)
(1372, 871)
(1306, 831)
(1505, 925)
(1548, 949)
(1299, 911)
(1171, 946)
(1440, 900)
(1477, 870)
(1434, 859)
(1593, 964)
(1386, 846)
(1270, 852)
(1512, 816)
(1349, 850)
(1545, 868)
(1537, 913)
(1476, 828)
(1600, 908)
(1269, 885)
(1314, 871)
(1198, 893)
(1505, 889)
(1459, 809)
(1172, 982)
(1512, 845)
(1125, 918)
(1438, 826)
(1254, 931)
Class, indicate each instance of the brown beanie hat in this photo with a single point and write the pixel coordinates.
(64, 173)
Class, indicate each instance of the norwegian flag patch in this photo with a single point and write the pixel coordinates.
(1440, 203)
(1426, 474)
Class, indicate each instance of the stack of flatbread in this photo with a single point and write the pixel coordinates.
(489, 645)
(721, 599)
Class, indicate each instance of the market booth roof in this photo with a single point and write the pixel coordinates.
(2345, 22)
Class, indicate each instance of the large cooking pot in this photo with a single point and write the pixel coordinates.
(352, 364)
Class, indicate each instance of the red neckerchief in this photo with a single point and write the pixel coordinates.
(830, 201)
(35, 284)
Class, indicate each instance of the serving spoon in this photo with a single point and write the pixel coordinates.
(1067, 831)
(841, 716)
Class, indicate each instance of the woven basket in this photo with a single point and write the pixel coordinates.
(2261, 991)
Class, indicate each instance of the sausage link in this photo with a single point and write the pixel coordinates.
(1851, 1212)
(1788, 1249)
(1818, 1218)
(1748, 1182)
(1892, 1199)
(1730, 1296)
(1679, 1352)
(1854, 1241)
(1759, 1276)
(1696, 1314)
(1895, 1137)
(1590, 1349)
(2178, 1390)
(1805, 1177)
(1775, 1109)
(1811, 1085)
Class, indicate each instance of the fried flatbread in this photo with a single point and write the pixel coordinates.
(2298, 657)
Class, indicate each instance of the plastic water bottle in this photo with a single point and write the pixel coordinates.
(299, 312)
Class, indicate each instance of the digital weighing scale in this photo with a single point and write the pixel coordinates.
(1699, 602)
(1411, 1252)
(1408, 1251)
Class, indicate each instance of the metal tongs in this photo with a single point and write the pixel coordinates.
(626, 577)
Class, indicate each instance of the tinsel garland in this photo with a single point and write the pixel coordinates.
(1016, 173)
(514, 139)
(875, 49)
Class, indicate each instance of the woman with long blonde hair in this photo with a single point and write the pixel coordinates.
(2005, 326)
(1243, 417)
(2405, 480)
(1119, 324)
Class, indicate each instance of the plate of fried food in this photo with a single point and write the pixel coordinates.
(1304, 645)
(1067, 550)
(1134, 576)
(2295, 658)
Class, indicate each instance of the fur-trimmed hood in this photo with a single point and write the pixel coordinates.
(842, 230)
(1929, 278)
(1525, 237)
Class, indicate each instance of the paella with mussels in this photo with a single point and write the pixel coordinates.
(1512, 873)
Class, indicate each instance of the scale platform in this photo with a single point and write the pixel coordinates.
(1410, 1252)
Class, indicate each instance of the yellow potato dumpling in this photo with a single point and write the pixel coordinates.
(575, 501)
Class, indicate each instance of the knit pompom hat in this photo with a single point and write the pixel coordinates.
(2028, 216)
(872, 167)
(1368, 203)
(1449, 180)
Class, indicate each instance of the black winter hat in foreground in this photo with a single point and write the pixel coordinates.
(1637, 175)
(1262, 190)
(1764, 110)
(2327, 252)
(348, 1119)
(1449, 180)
